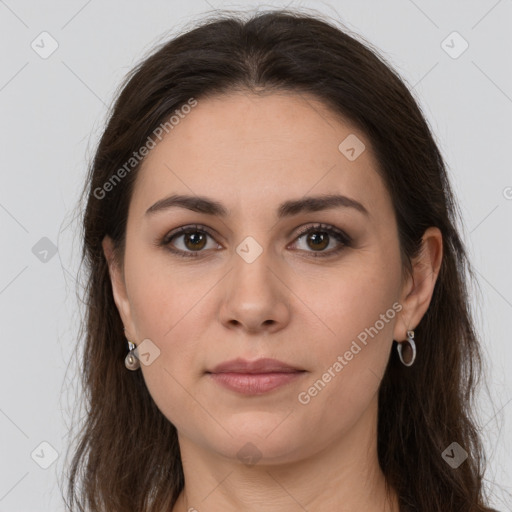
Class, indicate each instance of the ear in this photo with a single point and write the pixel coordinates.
(418, 289)
(119, 287)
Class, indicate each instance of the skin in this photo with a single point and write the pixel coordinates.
(251, 153)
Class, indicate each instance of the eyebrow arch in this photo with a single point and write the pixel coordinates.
(202, 204)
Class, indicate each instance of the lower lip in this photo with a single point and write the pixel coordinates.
(254, 383)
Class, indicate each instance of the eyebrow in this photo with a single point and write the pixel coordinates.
(202, 204)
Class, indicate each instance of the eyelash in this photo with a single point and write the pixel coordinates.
(339, 235)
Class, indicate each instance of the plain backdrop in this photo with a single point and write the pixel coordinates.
(61, 65)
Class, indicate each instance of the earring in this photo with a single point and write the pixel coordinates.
(410, 339)
(131, 360)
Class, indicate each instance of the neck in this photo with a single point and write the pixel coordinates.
(345, 475)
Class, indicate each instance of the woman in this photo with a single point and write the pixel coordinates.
(271, 232)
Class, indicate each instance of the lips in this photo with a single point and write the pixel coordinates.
(254, 377)
(264, 365)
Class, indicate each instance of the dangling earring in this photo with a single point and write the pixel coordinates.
(131, 360)
(410, 339)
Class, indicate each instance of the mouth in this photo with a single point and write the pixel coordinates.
(254, 377)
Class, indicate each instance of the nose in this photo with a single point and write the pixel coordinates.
(256, 296)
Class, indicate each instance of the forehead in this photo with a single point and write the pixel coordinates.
(243, 148)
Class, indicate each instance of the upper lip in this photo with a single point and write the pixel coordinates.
(264, 365)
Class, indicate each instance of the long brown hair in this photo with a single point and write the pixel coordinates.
(127, 456)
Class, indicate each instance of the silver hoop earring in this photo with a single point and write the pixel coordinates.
(131, 361)
(410, 339)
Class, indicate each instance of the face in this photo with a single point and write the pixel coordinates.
(318, 289)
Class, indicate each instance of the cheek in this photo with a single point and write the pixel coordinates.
(349, 366)
(168, 311)
(349, 301)
(161, 295)
(354, 314)
(166, 308)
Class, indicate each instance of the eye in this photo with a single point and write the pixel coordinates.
(319, 236)
(194, 240)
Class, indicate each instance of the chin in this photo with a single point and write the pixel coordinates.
(259, 441)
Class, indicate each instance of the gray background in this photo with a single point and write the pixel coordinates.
(52, 113)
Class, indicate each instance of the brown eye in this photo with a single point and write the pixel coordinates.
(194, 240)
(319, 237)
(318, 241)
